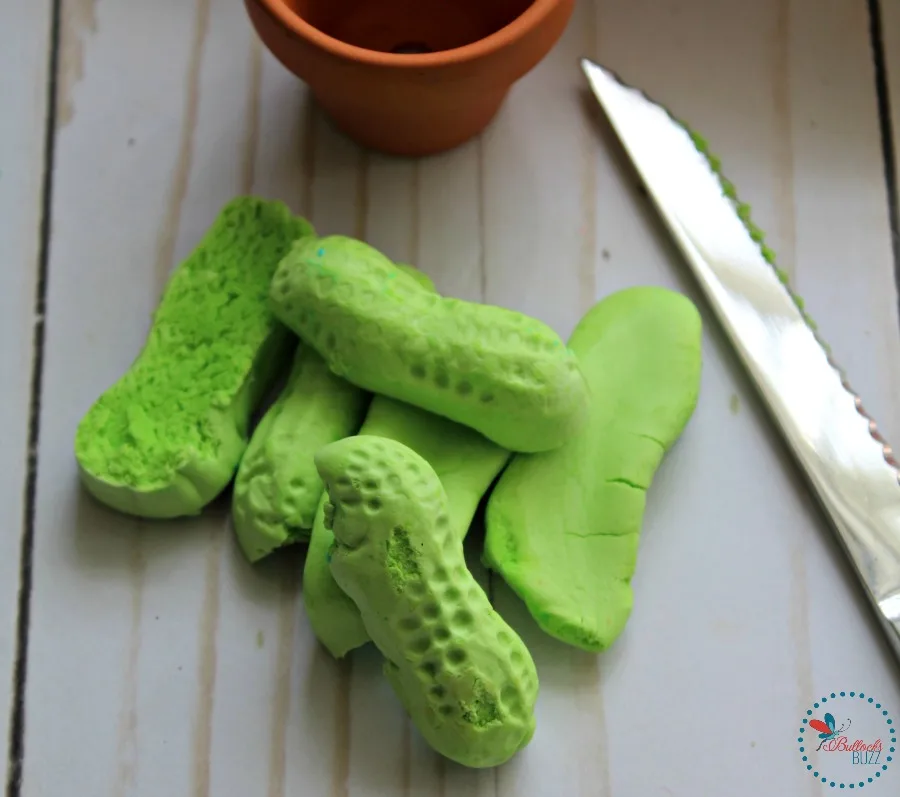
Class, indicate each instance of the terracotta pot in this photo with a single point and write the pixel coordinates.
(410, 77)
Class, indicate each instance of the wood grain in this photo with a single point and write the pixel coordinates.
(160, 662)
(24, 52)
(890, 31)
(78, 20)
(175, 204)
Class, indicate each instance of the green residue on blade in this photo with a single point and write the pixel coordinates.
(743, 212)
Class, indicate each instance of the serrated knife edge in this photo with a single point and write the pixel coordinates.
(849, 465)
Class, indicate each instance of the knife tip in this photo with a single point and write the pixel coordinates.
(587, 65)
(597, 75)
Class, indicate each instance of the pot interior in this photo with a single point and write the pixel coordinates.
(409, 26)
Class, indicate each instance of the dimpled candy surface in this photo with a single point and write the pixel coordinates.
(277, 489)
(463, 675)
(166, 438)
(465, 462)
(499, 372)
(562, 527)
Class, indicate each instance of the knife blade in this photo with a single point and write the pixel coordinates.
(849, 466)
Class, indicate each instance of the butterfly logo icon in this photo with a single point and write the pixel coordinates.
(827, 730)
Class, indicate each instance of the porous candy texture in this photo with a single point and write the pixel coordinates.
(464, 676)
(165, 439)
(466, 464)
(563, 527)
(277, 488)
(499, 372)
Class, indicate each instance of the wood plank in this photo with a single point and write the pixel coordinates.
(154, 145)
(198, 673)
(540, 194)
(261, 629)
(24, 52)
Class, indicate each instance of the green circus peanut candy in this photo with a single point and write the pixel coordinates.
(499, 372)
(562, 527)
(277, 488)
(463, 675)
(166, 438)
(465, 462)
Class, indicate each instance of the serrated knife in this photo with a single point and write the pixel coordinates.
(850, 467)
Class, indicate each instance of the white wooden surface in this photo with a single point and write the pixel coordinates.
(160, 663)
(24, 50)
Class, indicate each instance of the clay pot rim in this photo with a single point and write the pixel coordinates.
(528, 20)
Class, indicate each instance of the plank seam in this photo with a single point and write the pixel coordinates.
(889, 156)
(483, 289)
(16, 750)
